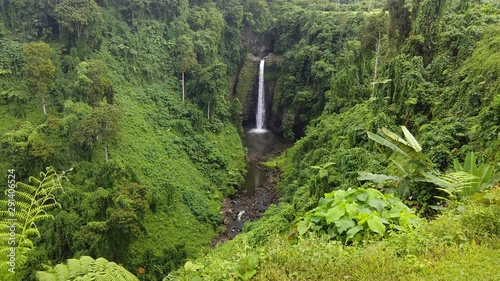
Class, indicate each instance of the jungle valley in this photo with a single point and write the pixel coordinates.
(249, 140)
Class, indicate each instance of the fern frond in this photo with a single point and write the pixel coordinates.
(74, 268)
(21, 218)
(4, 250)
(86, 268)
(61, 272)
(86, 263)
(45, 276)
(32, 232)
(27, 187)
(33, 200)
(22, 205)
(47, 207)
(4, 213)
(23, 196)
(38, 218)
(4, 265)
(462, 182)
(27, 243)
(6, 224)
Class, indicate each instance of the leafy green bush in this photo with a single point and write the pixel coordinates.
(462, 224)
(200, 208)
(276, 219)
(247, 267)
(351, 215)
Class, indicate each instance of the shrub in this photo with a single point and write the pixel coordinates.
(351, 215)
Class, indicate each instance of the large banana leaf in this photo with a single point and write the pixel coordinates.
(387, 143)
(393, 135)
(364, 176)
(399, 145)
(411, 139)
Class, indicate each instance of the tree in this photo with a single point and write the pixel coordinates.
(209, 88)
(371, 33)
(88, 125)
(185, 56)
(108, 117)
(399, 22)
(93, 84)
(39, 69)
(426, 28)
(76, 15)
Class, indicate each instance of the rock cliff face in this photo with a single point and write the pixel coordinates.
(246, 91)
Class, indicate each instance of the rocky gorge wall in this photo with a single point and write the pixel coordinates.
(246, 90)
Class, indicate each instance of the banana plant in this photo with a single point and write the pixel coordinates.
(409, 148)
(420, 171)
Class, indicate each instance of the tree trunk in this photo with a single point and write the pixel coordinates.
(182, 86)
(5, 13)
(377, 54)
(375, 70)
(208, 111)
(106, 152)
(43, 105)
(79, 29)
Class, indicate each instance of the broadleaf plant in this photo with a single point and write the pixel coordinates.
(420, 177)
(350, 215)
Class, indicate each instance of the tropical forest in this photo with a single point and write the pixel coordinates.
(162, 140)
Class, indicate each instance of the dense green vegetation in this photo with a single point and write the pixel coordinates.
(94, 86)
(426, 65)
(136, 108)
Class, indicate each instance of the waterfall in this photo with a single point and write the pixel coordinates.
(261, 105)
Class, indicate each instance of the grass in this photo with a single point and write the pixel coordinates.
(317, 259)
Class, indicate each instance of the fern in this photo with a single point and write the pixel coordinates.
(32, 201)
(86, 268)
(485, 175)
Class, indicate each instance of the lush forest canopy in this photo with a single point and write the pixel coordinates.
(122, 129)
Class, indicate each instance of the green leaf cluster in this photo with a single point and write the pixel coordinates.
(86, 268)
(247, 267)
(352, 215)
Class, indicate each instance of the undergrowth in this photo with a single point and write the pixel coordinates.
(454, 246)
